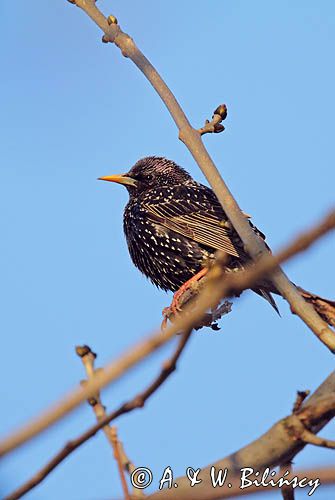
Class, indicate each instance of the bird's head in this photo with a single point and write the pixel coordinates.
(148, 173)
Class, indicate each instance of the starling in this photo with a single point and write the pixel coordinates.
(174, 225)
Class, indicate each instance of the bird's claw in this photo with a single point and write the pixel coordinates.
(173, 310)
(166, 314)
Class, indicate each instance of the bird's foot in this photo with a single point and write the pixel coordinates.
(166, 314)
(175, 307)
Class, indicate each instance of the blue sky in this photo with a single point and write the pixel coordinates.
(73, 109)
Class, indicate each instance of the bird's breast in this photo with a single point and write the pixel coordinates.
(165, 257)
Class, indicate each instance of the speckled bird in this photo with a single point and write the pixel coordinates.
(174, 225)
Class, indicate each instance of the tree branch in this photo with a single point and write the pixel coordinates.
(287, 491)
(211, 294)
(88, 358)
(215, 126)
(277, 446)
(301, 396)
(137, 402)
(118, 458)
(309, 437)
(192, 140)
(129, 467)
(208, 297)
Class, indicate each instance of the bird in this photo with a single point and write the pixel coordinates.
(174, 226)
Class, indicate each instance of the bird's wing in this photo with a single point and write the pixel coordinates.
(199, 216)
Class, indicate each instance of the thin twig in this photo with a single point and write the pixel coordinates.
(209, 296)
(118, 458)
(192, 139)
(129, 467)
(214, 126)
(310, 438)
(287, 490)
(301, 396)
(88, 358)
(137, 402)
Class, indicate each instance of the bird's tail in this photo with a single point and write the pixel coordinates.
(266, 294)
(324, 307)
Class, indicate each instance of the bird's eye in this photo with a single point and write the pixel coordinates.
(149, 177)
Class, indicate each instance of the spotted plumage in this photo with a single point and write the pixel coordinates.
(174, 224)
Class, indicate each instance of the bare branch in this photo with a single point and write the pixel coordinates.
(301, 396)
(214, 126)
(137, 402)
(239, 281)
(287, 491)
(118, 458)
(192, 140)
(310, 438)
(277, 446)
(128, 466)
(209, 297)
(88, 358)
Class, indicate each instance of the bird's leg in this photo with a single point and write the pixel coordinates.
(175, 307)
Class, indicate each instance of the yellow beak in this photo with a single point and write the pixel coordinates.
(120, 179)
